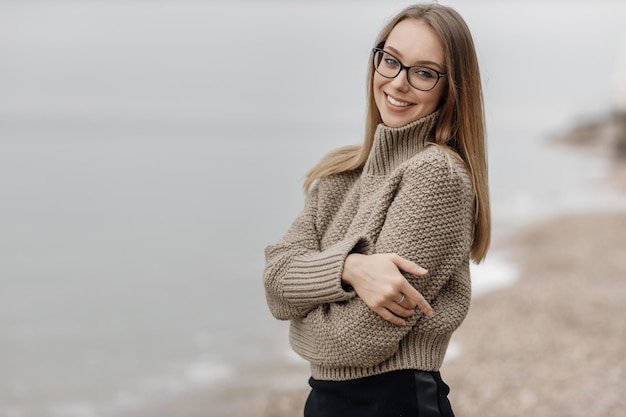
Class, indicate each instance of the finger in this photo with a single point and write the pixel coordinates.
(408, 266)
(417, 299)
(425, 307)
(400, 310)
(390, 317)
(400, 301)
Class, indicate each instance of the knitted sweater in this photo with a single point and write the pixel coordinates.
(410, 198)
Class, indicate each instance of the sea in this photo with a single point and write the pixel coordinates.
(150, 150)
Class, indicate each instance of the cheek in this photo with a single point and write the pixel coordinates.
(378, 94)
(435, 98)
(377, 82)
(442, 91)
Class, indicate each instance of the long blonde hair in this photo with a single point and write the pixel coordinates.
(461, 123)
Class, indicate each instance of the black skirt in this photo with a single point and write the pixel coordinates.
(405, 393)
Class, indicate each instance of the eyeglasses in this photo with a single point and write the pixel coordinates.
(420, 78)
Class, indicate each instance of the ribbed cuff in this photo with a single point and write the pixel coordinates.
(315, 279)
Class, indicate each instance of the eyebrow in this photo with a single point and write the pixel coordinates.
(419, 63)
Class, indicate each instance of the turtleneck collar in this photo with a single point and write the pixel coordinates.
(394, 145)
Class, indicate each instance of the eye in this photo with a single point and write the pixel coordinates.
(390, 61)
(423, 73)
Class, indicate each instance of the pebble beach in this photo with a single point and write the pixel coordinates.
(141, 182)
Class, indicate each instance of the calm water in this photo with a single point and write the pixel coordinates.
(150, 150)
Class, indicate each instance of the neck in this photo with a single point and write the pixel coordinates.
(394, 145)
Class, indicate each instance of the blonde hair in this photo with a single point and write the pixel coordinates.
(461, 123)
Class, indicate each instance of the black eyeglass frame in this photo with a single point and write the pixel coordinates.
(404, 67)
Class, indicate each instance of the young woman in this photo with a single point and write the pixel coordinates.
(374, 272)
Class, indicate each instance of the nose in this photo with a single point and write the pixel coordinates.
(400, 81)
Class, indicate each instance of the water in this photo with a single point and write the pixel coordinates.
(150, 150)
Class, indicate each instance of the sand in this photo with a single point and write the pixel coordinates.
(553, 344)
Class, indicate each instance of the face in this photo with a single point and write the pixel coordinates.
(413, 42)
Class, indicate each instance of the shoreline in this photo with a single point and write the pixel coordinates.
(551, 342)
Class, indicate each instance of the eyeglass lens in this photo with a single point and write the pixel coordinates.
(388, 66)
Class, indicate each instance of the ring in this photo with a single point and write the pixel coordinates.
(401, 300)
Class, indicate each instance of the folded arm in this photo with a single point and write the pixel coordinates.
(428, 222)
(298, 275)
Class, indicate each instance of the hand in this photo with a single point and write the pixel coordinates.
(378, 282)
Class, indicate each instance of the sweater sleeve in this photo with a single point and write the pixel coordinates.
(298, 275)
(429, 221)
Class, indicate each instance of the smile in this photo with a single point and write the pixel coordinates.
(397, 102)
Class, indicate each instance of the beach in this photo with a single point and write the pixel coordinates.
(551, 344)
(150, 151)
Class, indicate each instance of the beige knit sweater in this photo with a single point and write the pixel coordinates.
(412, 199)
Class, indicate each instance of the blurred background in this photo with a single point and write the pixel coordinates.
(150, 150)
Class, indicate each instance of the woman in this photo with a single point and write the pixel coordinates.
(374, 272)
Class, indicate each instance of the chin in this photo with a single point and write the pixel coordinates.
(401, 121)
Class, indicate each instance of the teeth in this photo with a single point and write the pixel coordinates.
(396, 102)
